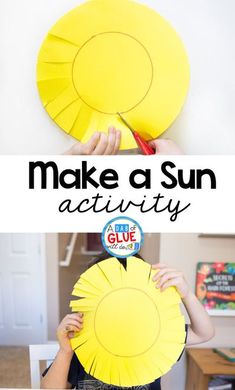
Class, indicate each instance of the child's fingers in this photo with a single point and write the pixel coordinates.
(75, 316)
(170, 283)
(90, 146)
(159, 266)
(111, 141)
(71, 328)
(77, 319)
(153, 145)
(76, 149)
(117, 142)
(162, 272)
(71, 335)
(167, 276)
(74, 322)
(102, 145)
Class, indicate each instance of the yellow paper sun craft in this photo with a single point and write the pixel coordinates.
(110, 56)
(132, 332)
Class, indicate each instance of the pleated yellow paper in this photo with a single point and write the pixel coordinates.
(109, 56)
(132, 332)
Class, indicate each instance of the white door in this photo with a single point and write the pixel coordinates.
(22, 289)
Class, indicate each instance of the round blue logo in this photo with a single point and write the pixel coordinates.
(122, 237)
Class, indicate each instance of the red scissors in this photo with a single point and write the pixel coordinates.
(143, 145)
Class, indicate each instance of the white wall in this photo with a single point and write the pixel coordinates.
(151, 248)
(184, 251)
(207, 122)
(52, 282)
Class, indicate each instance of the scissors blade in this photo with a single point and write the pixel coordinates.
(125, 122)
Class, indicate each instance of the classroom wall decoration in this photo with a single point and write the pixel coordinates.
(132, 333)
(215, 287)
(107, 57)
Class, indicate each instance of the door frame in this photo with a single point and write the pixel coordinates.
(42, 254)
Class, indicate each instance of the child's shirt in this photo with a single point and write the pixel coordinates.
(78, 378)
(82, 381)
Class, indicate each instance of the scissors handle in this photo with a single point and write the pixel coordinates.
(143, 145)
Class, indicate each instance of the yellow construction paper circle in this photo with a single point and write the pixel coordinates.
(109, 56)
(89, 80)
(132, 333)
(127, 322)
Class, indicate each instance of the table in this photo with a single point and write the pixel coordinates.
(202, 364)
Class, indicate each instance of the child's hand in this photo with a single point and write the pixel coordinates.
(65, 331)
(98, 144)
(167, 277)
(165, 147)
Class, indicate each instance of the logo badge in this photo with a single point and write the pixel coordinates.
(122, 237)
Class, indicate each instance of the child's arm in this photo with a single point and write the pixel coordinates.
(57, 376)
(201, 328)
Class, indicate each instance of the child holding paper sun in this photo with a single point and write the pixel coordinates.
(109, 144)
(66, 370)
